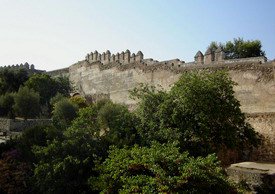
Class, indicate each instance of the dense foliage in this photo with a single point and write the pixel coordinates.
(103, 147)
(26, 103)
(79, 101)
(6, 105)
(159, 169)
(200, 112)
(239, 48)
(65, 165)
(64, 111)
(12, 79)
(48, 87)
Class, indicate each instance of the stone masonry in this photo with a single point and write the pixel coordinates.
(113, 75)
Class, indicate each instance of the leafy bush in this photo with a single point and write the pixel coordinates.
(6, 105)
(200, 112)
(48, 87)
(12, 79)
(65, 164)
(36, 136)
(79, 101)
(26, 103)
(86, 141)
(64, 112)
(56, 99)
(159, 169)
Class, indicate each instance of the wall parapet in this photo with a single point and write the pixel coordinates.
(26, 66)
(218, 56)
(125, 60)
(178, 66)
(106, 57)
(59, 72)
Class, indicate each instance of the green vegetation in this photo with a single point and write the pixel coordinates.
(79, 101)
(239, 48)
(12, 79)
(64, 111)
(200, 112)
(26, 103)
(6, 105)
(159, 169)
(46, 87)
(168, 144)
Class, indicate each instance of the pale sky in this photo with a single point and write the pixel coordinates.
(54, 34)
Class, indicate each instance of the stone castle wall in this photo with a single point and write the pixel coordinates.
(113, 78)
(29, 68)
(60, 72)
(255, 89)
(264, 123)
(18, 125)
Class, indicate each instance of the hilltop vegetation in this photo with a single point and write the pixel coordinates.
(28, 96)
(239, 48)
(168, 144)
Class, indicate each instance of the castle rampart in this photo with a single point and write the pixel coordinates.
(26, 66)
(111, 76)
(107, 57)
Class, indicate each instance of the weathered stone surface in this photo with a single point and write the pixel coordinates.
(258, 176)
(18, 125)
(254, 77)
(264, 123)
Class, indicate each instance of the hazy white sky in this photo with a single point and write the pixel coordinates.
(54, 34)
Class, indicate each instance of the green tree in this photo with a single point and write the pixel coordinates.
(147, 112)
(200, 112)
(6, 105)
(243, 49)
(11, 79)
(66, 164)
(36, 136)
(56, 98)
(86, 141)
(63, 85)
(48, 87)
(159, 169)
(26, 103)
(64, 112)
(239, 48)
(44, 85)
(117, 124)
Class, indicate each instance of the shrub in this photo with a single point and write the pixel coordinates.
(159, 169)
(26, 103)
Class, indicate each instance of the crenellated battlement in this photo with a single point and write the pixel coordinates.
(27, 66)
(106, 57)
(126, 57)
(218, 56)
